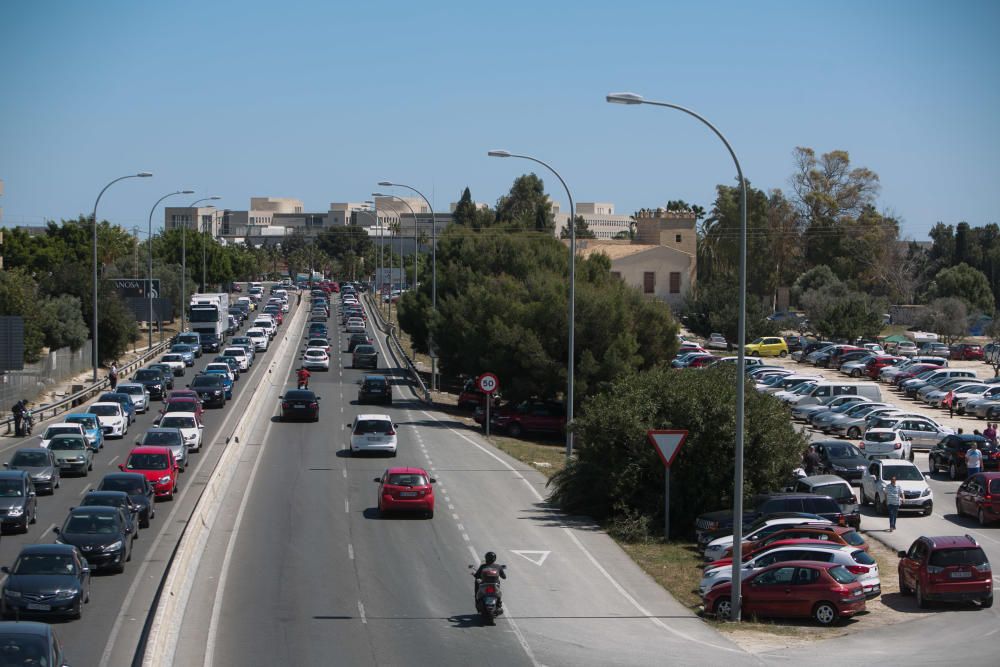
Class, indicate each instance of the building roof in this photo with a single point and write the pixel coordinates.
(612, 250)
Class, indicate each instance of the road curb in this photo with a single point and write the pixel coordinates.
(161, 642)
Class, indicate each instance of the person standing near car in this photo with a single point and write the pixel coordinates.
(973, 459)
(811, 461)
(949, 400)
(892, 501)
(113, 376)
(990, 433)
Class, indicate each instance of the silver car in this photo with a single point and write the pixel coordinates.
(138, 392)
(922, 432)
(803, 412)
(40, 464)
(852, 423)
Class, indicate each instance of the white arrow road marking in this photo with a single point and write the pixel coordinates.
(536, 557)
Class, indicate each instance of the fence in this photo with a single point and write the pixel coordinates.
(36, 379)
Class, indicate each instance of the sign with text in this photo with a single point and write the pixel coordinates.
(135, 287)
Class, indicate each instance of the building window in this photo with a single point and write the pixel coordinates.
(648, 282)
(675, 282)
(677, 239)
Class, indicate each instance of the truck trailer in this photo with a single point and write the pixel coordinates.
(208, 314)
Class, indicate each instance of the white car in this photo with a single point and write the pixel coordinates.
(267, 324)
(356, 325)
(259, 337)
(373, 433)
(62, 428)
(862, 565)
(717, 341)
(176, 363)
(220, 366)
(915, 493)
(719, 547)
(316, 357)
(240, 354)
(187, 423)
(112, 418)
(886, 443)
(138, 392)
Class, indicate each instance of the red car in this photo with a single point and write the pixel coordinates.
(912, 372)
(979, 496)
(702, 361)
(406, 490)
(471, 398)
(181, 393)
(873, 367)
(159, 467)
(182, 404)
(534, 416)
(951, 569)
(804, 589)
(967, 352)
(831, 534)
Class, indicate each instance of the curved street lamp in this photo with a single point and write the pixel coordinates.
(93, 218)
(631, 99)
(390, 184)
(572, 294)
(416, 241)
(149, 275)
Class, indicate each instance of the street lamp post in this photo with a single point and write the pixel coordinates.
(632, 98)
(416, 241)
(572, 296)
(184, 260)
(149, 274)
(378, 258)
(390, 184)
(141, 174)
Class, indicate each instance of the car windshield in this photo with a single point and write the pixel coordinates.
(147, 462)
(903, 473)
(130, 389)
(206, 381)
(104, 410)
(372, 426)
(218, 367)
(101, 501)
(53, 431)
(101, 524)
(841, 575)
(66, 444)
(965, 556)
(299, 395)
(995, 485)
(173, 357)
(11, 488)
(167, 437)
(85, 422)
(44, 564)
(147, 374)
(178, 405)
(318, 354)
(842, 451)
(30, 459)
(407, 479)
(837, 491)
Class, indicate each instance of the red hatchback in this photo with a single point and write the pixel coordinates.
(803, 589)
(406, 490)
(158, 466)
(875, 365)
(967, 352)
(951, 569)
(979, 496)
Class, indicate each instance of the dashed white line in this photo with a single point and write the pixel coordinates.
(350, 551)
(115, 458)
(361, 610)
(450, 506)
(345, 472)
(46, 532)
(454, 516)
(347, 505)
(465, 537)
(460, 526)
(85, 489)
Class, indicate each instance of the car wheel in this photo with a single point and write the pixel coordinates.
(825, 613)
(952, 472)
(986, 603)
(921, 601)
(514, 430)
(782, 354)
(880, 507)
(755, 353)
(90, 466)
(911, 455)
(982, 517)
(77, 610)
(430, 514)
(855, 373)
(854, 432)
(903, 588)
(723, 609)
(864, 497)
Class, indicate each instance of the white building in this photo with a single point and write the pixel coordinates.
(599, 216)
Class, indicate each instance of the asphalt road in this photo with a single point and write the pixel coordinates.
(109, 631)
(306, 571)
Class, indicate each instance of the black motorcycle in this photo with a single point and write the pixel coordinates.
(489, 602)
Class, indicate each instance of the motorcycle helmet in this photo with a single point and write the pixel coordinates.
(490, 558)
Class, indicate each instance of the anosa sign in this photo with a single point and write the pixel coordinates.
(135, 287)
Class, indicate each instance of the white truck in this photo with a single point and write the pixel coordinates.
(208, 314)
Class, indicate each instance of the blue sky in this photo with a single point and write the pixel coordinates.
(321, 100)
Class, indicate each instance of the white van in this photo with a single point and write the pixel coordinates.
(824, 390)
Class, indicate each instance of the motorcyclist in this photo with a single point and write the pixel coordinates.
(19, 410)
(303, 376)
(489, 572)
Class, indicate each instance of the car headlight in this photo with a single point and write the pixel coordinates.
(12, 594)
(926, 492)
(114, 546)
(66, 595)
(44, 476)
(15, 511)
(163, 480)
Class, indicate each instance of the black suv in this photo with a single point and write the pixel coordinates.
(210, 388)
(137, 487)
(210, 342)
(152, 380)
(375, 388)
(715, 524)
(949, 455)
(18, 500)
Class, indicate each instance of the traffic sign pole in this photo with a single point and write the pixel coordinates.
(667, 444)
(488, 384)
(489, 399)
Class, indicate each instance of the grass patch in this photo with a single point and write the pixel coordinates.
(674, 565)
(546, 458)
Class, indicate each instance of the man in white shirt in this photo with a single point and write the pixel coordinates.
(973, 459)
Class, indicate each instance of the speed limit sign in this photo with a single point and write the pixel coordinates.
(487, 383)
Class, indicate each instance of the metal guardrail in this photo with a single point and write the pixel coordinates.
(73, 400)
(390, 331)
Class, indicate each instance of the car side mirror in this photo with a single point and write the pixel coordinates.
(5, 569)
(433, 481)
(6, 465)
(32, 494)
(318, 398)
(901, 554)
(378, 479)
(349, 425)
(121, 466)
(56, 529)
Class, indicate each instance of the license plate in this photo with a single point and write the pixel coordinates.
(38, 607)
(961, 575)
(407, 494)
(374, 438)
(299, 405)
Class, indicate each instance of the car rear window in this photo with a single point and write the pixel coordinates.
(880, 437)
(853, 538)
(407, 479)
(841, 575)
(821, 506)
(862, 557)
(966, 556)
(841, 492)
(372, 426)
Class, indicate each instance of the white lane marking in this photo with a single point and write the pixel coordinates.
(347, 506)
(536, 557)
(460, 526)
(350, 551)
(450, 506)
(361, 610)
(115, 458)
(85, 489)
(465, 537)
(475, 556)
(454, 516)
(46, 532)
(345, 472)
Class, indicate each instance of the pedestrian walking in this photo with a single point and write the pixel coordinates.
(973, 459)
(19, 409)
(949, 400)
(113, 376)
(991, 433)
(810, 461)
(892, 500)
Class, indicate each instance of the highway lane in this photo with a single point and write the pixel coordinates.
(308, 572)
(86, 641)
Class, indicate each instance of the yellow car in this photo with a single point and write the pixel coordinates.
(772, 346)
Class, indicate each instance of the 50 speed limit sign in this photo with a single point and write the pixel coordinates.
(487, 383)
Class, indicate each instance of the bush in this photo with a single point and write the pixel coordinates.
(617, 472)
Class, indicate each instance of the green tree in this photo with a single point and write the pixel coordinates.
(948, 317)
(338, 241)
(616, 472)
(582, 230)
(816, 278)
(19, 296)
(835, 311)
(526, 206)
(61, 320)
(713, 307)
(966, 283)
(681, 205)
